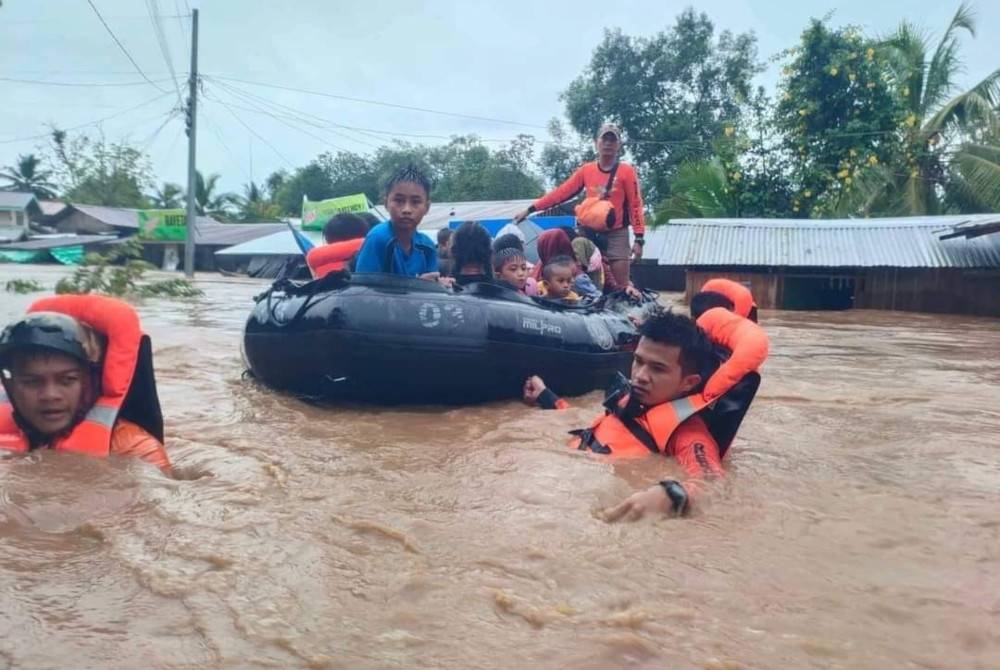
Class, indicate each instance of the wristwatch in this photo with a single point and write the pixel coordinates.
(678, 496)
(640, 240)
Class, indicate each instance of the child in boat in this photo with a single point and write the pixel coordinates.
(470, 253)
(395, 246)
(557, 280)
(344, 234)
(510, 265)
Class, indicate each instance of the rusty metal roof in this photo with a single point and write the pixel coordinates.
(906, 242)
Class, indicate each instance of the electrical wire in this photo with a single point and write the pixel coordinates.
(39, 82)
(91, 123)
(153, 8)
(381, 103)
(122, 46)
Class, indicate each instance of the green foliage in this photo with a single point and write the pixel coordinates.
(839, 114)
(673, 93)
(22, 286)
(562, 156)
(97, 172)
(208, 202)
(120, 272)
(26, 177)
(950, 145)
(463, 169)
(168, 196)
(254, 206)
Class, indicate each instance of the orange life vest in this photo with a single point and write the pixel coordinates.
(738, 294)
(620, 436)
(332, 257)
(117, 321)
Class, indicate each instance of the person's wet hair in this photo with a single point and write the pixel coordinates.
(558, 262)
(697, 356)
(506, 247)
(345, 226)
(408, 173)
(706, 300)
(471, 245)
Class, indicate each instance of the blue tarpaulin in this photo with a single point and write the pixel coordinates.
(544, 222)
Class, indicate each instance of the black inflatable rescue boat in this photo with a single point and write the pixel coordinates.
(389, 339)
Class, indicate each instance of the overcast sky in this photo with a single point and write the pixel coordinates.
(506, 61)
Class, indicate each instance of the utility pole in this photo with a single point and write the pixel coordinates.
(191, 128)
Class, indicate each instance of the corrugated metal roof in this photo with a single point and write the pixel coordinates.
(280, 243)
(52, 207)
(119, 217)
(980, 224)
(908, 242)
(210, 232)
(42, 244)
(123, 217)
(16, 200)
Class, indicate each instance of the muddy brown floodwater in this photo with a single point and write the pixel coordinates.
(860, 526)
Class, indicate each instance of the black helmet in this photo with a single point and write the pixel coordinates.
(55, 332)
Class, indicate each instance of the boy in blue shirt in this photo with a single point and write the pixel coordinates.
(395, 246)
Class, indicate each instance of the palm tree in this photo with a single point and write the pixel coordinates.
(701, 189)
(26, 177)
(207, 201)
(168, 196)
(949, 139)
(253, 206)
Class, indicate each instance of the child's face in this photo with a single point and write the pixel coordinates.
(560, 282)
(515, 271)
(407, 204)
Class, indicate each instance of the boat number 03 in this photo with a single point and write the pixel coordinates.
(432, 316)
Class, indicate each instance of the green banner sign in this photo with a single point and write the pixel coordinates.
(163, 224)
(316, 214)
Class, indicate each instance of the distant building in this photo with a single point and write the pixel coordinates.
(89, 221)
(924, 264)
(17, 211)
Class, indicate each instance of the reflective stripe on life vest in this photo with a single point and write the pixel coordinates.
(117, 321)
(627, 438)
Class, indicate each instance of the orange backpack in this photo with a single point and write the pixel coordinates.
(597, 212)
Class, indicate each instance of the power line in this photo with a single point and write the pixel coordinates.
(39, 82)
(320, 122)
(122, 46)
(257, 135)
(180, 23)
(381, 103)
(218, 135)
(280, 117)
(148, 142)
(91, 123)
(154, 15)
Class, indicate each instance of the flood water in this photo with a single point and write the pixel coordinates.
(859, 527)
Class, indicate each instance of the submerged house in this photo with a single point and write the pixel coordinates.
(924, 264)
(17, 211)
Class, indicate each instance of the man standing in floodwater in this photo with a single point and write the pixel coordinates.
(77, 376)
(661, 410)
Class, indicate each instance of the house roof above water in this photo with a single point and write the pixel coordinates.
(905, 242)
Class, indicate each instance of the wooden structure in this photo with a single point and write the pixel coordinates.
(909, 264)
